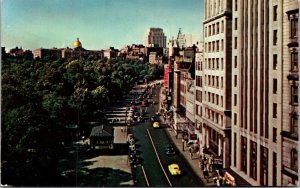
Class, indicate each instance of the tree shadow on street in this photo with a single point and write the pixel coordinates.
(75, 169)
(97, 177)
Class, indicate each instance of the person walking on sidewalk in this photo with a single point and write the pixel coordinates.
(205, 173)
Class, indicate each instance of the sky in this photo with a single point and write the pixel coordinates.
(99, 24)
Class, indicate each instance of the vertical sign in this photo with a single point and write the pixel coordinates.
(166, 75)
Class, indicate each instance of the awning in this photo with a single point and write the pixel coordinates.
(235, 178)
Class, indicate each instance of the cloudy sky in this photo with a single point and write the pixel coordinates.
(99, 24)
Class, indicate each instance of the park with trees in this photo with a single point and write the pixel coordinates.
(40, 97)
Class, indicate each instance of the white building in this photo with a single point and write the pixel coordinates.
(265, 137)
(214, 79)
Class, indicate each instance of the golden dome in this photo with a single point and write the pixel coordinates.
(77, 43)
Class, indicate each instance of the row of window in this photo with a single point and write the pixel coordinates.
(214, 116)
(214, 46)
(214, 29)
(264, 157)
(214, 63)
(199, 66)
(210, 97)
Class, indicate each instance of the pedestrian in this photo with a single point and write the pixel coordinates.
(205, 173)
(200, 160)
(209, 164)
(218, 181)
(202, 164)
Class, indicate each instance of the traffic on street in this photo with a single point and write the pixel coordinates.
(154, 159)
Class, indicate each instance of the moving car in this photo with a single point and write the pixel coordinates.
(156, 124)
(170, 150)
(174, 169)
(154, 118)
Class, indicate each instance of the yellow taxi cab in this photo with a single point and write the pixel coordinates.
(174, 169)
(156, 124)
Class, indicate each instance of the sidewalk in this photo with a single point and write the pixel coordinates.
(194, 162)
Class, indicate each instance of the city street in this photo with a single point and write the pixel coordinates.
(144, 133)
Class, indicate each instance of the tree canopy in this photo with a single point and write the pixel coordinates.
(40, 97)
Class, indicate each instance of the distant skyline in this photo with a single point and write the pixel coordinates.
(99, 24)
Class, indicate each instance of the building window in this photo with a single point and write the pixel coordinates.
(264, 166)
(274, 86)
(294, 27)
(294, 96)
(218, 28)
(235, 119)
(217, 62)
(235, 42)
(275, 62)
(235, 24)
(218, 45)
(221, 82)
(235, 100)
(275, 37)
(274, 169)
(294, 124)
(235, 80)
(294, 61)
(235, 5)
(222, 102)
(274, 134)
(222, 26)
(198, 81)
(235, 61)
(253, 160)
(209, 30)
(274, 110)
(235, 150)
(294, 159)
(244, 154)
(275, 13)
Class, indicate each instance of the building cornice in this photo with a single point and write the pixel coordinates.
(227, 14)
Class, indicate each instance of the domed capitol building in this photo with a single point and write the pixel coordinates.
(67, 52)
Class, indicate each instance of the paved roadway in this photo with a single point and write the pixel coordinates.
(152, 168)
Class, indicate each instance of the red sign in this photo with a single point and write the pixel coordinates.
(166, 76)
(229, 179)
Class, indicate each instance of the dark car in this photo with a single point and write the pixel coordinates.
(134, 159)
(170, 150)
(154, 118)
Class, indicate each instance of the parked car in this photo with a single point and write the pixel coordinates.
(174, 169)
(132, 147)
(130, 137)
(132, 152)
(134, 159)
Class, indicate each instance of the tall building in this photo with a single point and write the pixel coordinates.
(289, 136)
(155, 37)
(213, 80)
(265, 91)
(181, 41)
